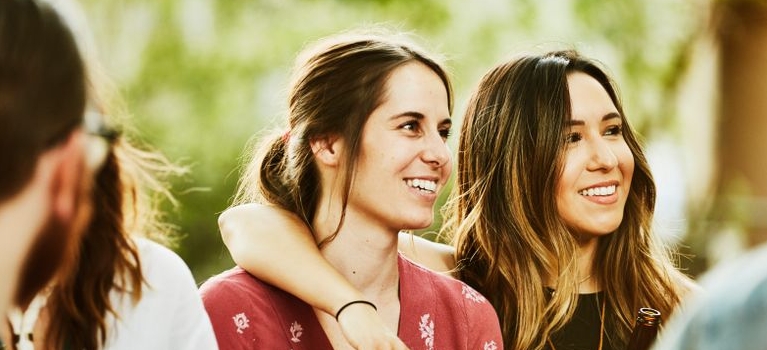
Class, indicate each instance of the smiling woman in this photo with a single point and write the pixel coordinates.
(365, 157)
(598, 166)
(398, 185)
(572, 256)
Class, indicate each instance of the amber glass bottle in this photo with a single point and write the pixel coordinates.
(645, 329)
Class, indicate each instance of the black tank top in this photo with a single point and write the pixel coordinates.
(583, 330)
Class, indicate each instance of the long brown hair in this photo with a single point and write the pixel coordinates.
(336, 85)
(503, 215)
(108, 258)
(125, 204)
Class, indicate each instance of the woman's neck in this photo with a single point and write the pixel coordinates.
(587, 273)
(587, 279)
(364, 253)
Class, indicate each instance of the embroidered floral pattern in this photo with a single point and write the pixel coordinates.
(241, 322)
(296, 330)
(491, 345)
(426, 326)
(472, 294)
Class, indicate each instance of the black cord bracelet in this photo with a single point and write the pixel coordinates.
(352, 303)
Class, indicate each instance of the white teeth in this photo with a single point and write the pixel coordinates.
(599, 191)
(422, 184)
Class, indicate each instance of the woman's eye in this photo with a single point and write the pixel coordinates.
(410, 125)
(445, 133)
(573, 137)
(614, 130)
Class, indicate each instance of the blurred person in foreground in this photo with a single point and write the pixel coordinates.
(730, 314)
(46, 172)
(118, 290)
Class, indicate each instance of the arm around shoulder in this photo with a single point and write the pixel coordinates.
(436, 256)
(248, 231)
(274, 245)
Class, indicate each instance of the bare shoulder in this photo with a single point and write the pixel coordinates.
(436, 256)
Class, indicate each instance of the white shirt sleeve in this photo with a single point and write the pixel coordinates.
(170, 314)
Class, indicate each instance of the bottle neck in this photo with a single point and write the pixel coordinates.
(648, 317)
(645, 330)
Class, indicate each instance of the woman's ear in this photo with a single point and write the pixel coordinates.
(327, 150)
(69, 178)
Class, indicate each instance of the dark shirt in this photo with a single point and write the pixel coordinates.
(583, 330)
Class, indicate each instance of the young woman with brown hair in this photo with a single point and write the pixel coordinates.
(364, 156)
(554, 202)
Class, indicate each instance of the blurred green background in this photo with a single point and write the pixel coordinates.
(201, 77)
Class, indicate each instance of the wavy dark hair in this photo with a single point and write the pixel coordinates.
(503, 215)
